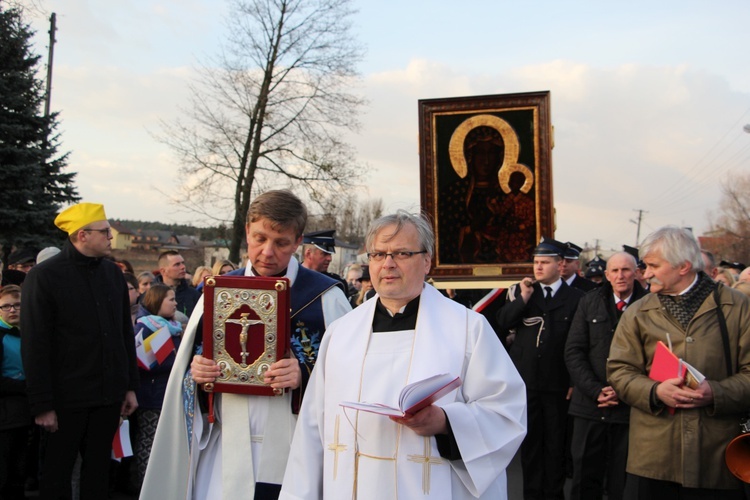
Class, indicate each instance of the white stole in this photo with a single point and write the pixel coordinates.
(237, 459)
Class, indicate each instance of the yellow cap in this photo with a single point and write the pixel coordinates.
(74, 218)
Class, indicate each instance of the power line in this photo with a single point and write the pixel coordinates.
(700, 182)
(699, 165)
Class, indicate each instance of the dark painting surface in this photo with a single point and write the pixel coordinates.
(486, 181)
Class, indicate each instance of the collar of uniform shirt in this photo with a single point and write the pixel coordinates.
(384, 321)
(554, 286)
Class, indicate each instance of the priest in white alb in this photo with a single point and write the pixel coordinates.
(242, 454)
(458, 447)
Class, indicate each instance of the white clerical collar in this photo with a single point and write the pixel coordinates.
(292, 270)
(400, 311)
(554, 286)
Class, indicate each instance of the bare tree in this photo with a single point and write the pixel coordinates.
(350, 218)
(30, 8)
(733, 219)
(272, 111)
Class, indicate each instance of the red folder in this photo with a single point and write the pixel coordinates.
(666, 364)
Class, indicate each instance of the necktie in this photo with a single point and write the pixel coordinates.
(621, 305)
(548, 293)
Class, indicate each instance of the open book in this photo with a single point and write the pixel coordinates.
(413, 397)
(667, 365)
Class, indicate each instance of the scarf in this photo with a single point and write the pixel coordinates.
(154, 323)
(683, 307)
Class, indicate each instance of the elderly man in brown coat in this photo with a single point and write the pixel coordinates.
(678, 434)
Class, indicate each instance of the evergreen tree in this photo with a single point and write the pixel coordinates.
(32, 177)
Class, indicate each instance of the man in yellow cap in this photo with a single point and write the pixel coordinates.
(78, 353)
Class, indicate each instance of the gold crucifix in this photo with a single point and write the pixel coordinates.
(336, 447)
(246, 323)
(427, 460)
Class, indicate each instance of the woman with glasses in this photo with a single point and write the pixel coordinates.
(133, 294)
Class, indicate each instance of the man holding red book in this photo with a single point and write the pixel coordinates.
(681, 455)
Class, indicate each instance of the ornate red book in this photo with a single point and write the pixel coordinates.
(245, 330)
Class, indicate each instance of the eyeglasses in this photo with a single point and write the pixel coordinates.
(381, 256)
(106, 231)
(8, 307)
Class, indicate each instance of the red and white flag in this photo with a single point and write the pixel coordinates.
(146, 358)
(488, 299)
(160, 343)
(121, 443)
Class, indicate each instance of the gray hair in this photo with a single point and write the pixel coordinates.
(400, 219)
(677, 245)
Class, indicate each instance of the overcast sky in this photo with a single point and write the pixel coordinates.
(648, 99)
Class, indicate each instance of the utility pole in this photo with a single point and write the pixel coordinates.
(638, 224)
(52, 29)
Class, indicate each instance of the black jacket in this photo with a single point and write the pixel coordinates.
(14, 407)
(542, 367)
(587, 350)
(583, 284)
(78, 348)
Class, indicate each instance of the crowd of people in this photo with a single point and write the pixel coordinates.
(557, 367)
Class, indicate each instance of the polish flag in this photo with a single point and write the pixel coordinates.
(488, 299)
(160, 344)
(146, 358)
(121, 446)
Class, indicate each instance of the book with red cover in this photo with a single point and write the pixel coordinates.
(413, 397)
(245, 329)
(667, 365)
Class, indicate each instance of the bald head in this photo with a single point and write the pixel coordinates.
(744, 276)
(620, 273)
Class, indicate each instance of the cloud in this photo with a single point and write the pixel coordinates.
(623, 137)
(109, 117)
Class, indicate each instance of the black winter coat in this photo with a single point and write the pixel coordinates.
(541, 366)
(77, 346)
(587, 350)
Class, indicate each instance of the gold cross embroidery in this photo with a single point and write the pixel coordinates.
(336, 447)
(427, 460)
